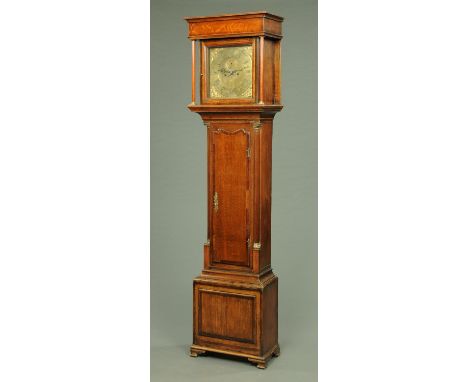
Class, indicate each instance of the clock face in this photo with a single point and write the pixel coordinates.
(230, 72)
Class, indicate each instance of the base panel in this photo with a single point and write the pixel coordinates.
(239, 319)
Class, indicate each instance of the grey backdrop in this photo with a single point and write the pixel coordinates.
(178, 201)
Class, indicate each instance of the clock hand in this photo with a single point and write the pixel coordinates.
(225, 71)
(228, 72)
(234, 71)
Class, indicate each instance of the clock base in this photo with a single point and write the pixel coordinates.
(238, 318)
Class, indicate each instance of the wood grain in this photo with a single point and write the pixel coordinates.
(231, 184)
(235, 25)
(228, 316)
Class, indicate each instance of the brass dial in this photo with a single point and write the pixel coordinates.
(230, 72)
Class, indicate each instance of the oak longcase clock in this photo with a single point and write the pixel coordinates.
(235, 298)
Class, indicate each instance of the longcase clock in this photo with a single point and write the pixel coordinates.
(236, 68)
